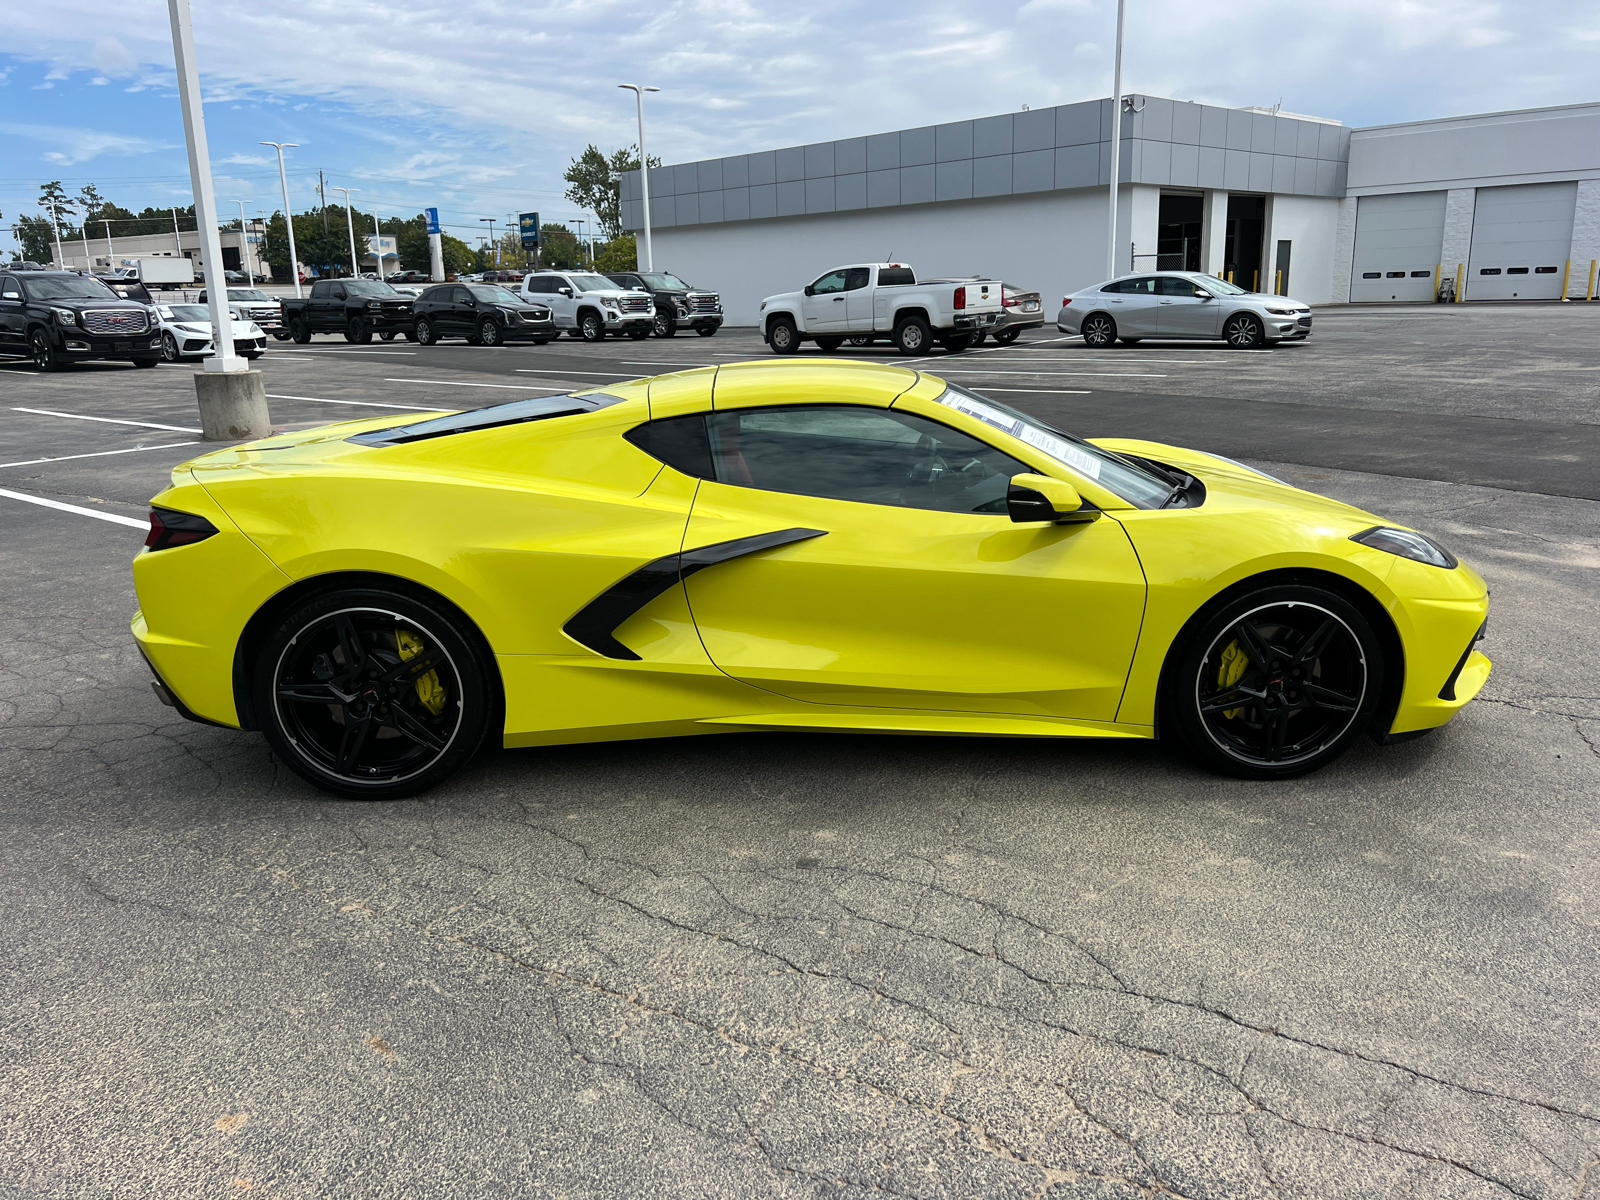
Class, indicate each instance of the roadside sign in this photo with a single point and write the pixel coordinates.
(529, 223)
(433, 219)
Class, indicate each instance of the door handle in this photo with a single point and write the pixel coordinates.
(838, 299)
(1166, 302)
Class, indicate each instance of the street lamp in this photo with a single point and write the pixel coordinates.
(583, 246)
(60, 260)
(377, 246)
(350, 226)
(1116, 150)
(644, 168)
(288, 215)
(492, 242)
(244, 244)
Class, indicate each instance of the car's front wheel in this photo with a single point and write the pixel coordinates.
(782, 336)
(299, 331)
(591, 328)
(358, 332)
(1243, 332)
(425, 332)
(489, 332)
(169, 347)
(43, 353)
(1274, 683)
(1098, 331)
(663, 326)
(375, 693)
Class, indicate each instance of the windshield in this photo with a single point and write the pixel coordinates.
(595, 283)
(76, 287)
(247, 294)
(1217, 287)
(368, 287)
(188, 312)
(1112, 472)
(665, 283)
(494, 295)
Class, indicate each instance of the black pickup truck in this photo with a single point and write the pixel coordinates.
(677, 304)
(357, 308)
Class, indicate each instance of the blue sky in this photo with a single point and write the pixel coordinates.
(476, 106)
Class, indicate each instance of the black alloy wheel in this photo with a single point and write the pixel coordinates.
(591, 328)
(782, 336)
(957, 342)
(862, 341)
(154, 360)
(169, 347)
(358, 331)
(912, 336)
(374, 693)
(664, 326)
(299, 331)
(829, 344)
(639, 332)
(1243, 332)
(425, 333)
(1004, 337)
(489, 332)
(1098, 331)
(43, 353)
(1276, 683)
(388, 336)
(706, 330)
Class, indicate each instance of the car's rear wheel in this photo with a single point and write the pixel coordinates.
(639, 333)
(426, 335)
(1243, 332)
(375, 693)
(169, 347)
(707, 330)
(1098, 331)
(1274, 683)
(299, 331)
(862, 341)
(489, 332)
(912, 336)
(154, 360)
(1004, 337)
(387, 336)
(829, 344)
(957, 342)
(782, 336)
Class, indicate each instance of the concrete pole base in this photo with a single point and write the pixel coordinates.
(233, 406)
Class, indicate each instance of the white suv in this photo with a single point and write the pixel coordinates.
(590, 306)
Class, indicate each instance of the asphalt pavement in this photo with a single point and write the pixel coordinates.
(798, 965)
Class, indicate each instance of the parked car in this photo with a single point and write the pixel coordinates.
(186, 332)
(60, 317)
(677, 303)
(482, 313)
(589, 306)
(252, 304)
(358, 308)
(1182, 306)
(881, 299)
(1019, 311)
(409, 277)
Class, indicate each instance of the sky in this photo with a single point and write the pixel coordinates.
(477, 106)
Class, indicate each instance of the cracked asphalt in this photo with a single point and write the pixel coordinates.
(806, 966)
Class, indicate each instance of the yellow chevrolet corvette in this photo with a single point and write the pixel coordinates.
(775, 545)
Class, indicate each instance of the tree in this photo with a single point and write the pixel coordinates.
(558, 247)
(618, 254)
(36, 238)
(595, 184)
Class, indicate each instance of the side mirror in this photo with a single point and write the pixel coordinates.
(810, 291)
(567, 292)
(1040, 498)
(1204, 295)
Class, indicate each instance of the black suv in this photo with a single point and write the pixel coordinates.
(61, 317)
(483, 314)
(677, 304)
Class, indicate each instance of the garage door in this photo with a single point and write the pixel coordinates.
(1397, 246)
(1521, 237)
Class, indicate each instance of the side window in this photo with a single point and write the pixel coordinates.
(459, 295)
(1171, 285)
(857, 278)
(1140, 287)
(321, 289)
(832, 282)
(896, 277)
(336, 291)
(867, 455)
(10, 290)
(680, 442)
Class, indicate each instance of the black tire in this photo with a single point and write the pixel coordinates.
(338, 702)
(299, 331)
(387, 336)
(862, 341)
(957, 342)
(591, 328)
(829, 344)
(782, 336)
(664, 324)
(1304, 665)
(409, 336)
(1098, 330)
(707, 331)
(358, 332)
(488, 332)
(152, 360)
(541, 341)
(44, 354)
(425, 334)
(169, 348)
(1004, 337)
(250, 354)
(1131, 341)
(639, 335)
(1243, 331)
(912, 336)
(281, 334)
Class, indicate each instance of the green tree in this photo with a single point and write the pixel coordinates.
(618, 254)
(36, 238)
(558, 247)
(595, 183)
(53, 197)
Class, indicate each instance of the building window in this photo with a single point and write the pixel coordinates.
(1421, 274)
(1372, 274)
(1397, 275)
(1516, 270)
(1489, 271)
(1544, 270)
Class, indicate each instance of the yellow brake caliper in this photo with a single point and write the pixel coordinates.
(1234, 664)
(429, 690)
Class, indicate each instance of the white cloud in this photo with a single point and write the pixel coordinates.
(69, 144)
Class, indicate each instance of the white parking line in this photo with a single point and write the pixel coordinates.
(357, 403)
(661, 362)
(1099, 374)
(516, 387)
(390, 353)
(556, 371)
(28, 462)
(1040, 391)
(47, 412)
(115, 518)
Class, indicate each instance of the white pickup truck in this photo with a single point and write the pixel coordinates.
(882, 299)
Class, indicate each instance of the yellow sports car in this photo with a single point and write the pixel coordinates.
(776, 545)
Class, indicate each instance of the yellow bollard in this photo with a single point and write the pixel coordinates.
(1566, 275)
(1437, 267)
(1590, 295)
(1460, 283)
(1255, 282)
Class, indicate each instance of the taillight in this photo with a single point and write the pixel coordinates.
(1066, 300)
(961, 297)
(171, 528)
(1010, 301)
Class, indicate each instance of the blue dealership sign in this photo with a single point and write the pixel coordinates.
(529, 223)
(433, 219)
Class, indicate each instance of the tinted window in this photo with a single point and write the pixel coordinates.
(1372, 274)
(896, 277)
(515, 413)
(321, 290)
(1489, 271)
(1421, 274)
(868, 455)
(1171, 285)
(1516, 270)
(436, 295)
(73, 287)
(856, 278)
(680, 442)
(541, 284)
(1544, 270)
(494, 295)
(10, 289)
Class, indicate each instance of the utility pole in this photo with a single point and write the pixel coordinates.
(644, 168)
(1116, 148)
(177, 238)
(322, 202)
(492, 242)
(244, 245)
(350, 225)
(377, 244)
(288, 215)
(111, 254)
(60, 260)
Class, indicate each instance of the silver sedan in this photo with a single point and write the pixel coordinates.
(1181, 306)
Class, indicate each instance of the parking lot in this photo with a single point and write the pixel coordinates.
(797, 965)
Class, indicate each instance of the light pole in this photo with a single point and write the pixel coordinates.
(60, 260)
(492, 242)
(244, 245)
(288, 216)
(350, 226)
(644, 169)
(111, 254)
(583, 246)
(1116, 148)
(377, 245)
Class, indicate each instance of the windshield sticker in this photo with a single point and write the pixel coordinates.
(1057, 448)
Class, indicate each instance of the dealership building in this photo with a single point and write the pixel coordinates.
(1508, 204)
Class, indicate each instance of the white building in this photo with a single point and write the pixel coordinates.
(1276, 201)
(102, 254)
